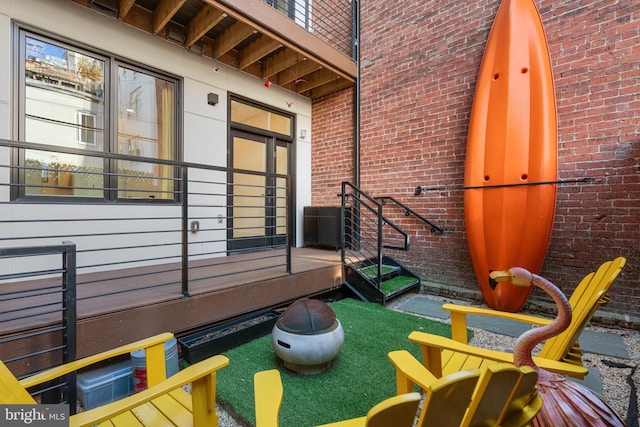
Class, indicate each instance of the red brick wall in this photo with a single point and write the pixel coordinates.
(419, 65)
(332, 158)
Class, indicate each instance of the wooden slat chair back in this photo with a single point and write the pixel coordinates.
(524, 405)
(498, 394)
(394, 411)
(590, 294)
(397, 411)
(268, 392)
(165, 402)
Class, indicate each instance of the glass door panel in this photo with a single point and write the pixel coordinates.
(282, 168)
(249, 202)
(258, 201)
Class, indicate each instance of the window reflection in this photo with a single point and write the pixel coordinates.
(65, 104)
(259, 118)
(146, 129)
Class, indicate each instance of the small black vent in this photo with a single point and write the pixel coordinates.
(107, 7)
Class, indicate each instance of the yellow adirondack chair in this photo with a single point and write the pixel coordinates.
(590, 294)
(267, 390)
(496, 395)
(397, 411)
(559, 354)
(163, 403)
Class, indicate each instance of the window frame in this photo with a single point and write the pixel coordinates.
(82, 128)
(110, 190)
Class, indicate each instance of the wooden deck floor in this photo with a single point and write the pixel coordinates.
(219, 289)
(205, 276)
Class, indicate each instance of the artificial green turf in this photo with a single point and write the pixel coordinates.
(372, 270)
(360, 376)
(392, 285)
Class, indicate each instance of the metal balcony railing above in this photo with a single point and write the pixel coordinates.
(331, 21)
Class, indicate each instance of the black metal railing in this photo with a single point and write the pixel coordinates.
(54, 301)
(366, 232)
(372, 235)
(410, 212)
(331, 21)
(205, 225)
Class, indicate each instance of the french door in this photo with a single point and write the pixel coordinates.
(258, 191)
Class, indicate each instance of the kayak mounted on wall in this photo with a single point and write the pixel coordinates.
(511, 149)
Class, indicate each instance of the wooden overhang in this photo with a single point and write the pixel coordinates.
(248, 35)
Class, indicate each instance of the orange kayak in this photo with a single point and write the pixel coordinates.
(511, 151)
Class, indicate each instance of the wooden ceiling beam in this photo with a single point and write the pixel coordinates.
(164, 12)
(331, 87)
(124, 6)
(205, 20)
(315, 79)
(139, 17)
(280, 61)
(297, 72)
(232, 37)
(258, 50)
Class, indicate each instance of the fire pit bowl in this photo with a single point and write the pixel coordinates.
(307, 337)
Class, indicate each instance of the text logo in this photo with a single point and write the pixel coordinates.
(34, 415)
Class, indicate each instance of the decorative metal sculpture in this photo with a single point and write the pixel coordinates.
(566, 403)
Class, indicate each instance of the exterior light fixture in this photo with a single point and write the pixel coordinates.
(212, 98)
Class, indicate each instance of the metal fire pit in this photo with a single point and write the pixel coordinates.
(307, 337)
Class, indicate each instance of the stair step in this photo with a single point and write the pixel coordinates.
(398, 284)
(371, 271)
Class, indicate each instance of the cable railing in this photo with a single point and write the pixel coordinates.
(367, 233)
(374, 238)
(193, 229)
(330, 21)
(54, 302)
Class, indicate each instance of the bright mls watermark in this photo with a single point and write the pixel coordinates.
(34, 415)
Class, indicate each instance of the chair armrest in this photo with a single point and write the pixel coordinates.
(154, 358)
(432, 345)
(267, 389)
(459, 318)
(202, 377)
(409, 371)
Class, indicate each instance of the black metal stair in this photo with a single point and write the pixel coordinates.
(395, 280)
(371, 275)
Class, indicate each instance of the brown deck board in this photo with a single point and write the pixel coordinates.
(120, 306)
(111, 291)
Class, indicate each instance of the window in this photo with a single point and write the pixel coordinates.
(85, 101)
(260, 118)
(87, 128)
(260, 141)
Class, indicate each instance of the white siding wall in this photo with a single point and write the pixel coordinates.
(204, 126)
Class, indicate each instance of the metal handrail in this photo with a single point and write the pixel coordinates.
(382, 220)
(409, 211)
(66, 307)
(362, 251)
